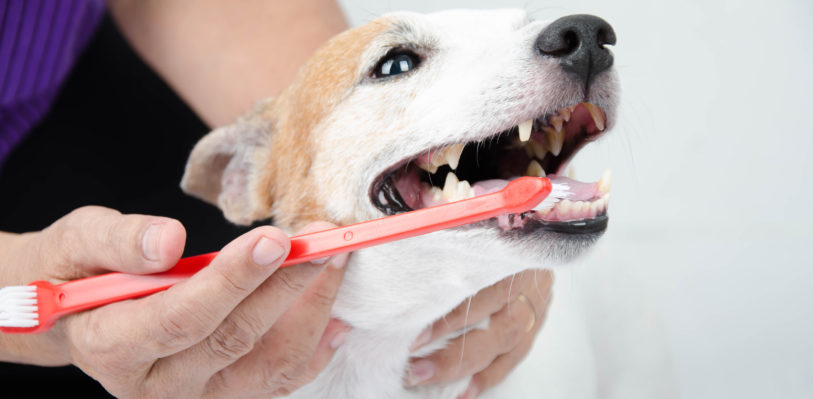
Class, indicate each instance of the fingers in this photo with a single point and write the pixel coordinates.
(498, 369)
(173, 320)
(486, 302)
(91, 240)
(476, 350)
(298, 346)
(509, 329)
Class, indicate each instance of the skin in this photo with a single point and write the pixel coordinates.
(240, 327)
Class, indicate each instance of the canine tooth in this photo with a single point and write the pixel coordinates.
(555, 140)
(525, 129)
(535, 169)
(595, 112)
(538, 149)
(571, 172)
(605, 182)
(453, 154)
(429, 167)
(438, 158)
(556, 122)
(450, 187)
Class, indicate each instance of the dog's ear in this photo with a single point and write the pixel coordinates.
(224, 165)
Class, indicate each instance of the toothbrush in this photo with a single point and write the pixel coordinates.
(35, 307)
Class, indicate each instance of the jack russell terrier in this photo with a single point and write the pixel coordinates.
(410, 111)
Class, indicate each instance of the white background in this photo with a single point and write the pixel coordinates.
(711, 209)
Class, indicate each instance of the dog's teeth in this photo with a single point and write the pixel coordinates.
(450, 187)
(464, 190)
(453, 154)
(598, 116)
(534, 169)
(437, 193)
(538, 149)
(564, 209)
(525, 129)
(438, 158)
(555, 140)
(605, 182)
(556, 122)
(571, 172)
(429, 167)
(565, 114)
(572, 108)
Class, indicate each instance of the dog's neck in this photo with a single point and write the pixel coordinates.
(373, 360)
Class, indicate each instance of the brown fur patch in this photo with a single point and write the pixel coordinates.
(285, 186)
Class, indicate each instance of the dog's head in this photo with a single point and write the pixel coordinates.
(414, 110)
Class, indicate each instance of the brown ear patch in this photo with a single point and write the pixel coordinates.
(285, 185)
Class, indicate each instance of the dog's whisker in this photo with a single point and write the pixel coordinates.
(465, 331)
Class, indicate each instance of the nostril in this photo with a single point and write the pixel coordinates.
(577, 43)
(604, 37)
(571, 41)
(559, 45)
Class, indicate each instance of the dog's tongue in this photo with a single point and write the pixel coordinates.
(579, 191)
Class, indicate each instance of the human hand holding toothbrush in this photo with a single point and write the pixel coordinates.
(194, 339)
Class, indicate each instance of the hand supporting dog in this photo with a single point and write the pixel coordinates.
(516, 306)
(237, 328)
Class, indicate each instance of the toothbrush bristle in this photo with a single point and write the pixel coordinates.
(558, 193)
(18, 306)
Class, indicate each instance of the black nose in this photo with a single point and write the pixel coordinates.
(578, 42)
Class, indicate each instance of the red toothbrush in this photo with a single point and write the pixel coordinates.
(34, 308)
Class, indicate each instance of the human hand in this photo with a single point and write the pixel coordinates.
(237, 328)
(517, 306)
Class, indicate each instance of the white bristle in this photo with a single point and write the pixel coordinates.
(558, 193)
(18, 306)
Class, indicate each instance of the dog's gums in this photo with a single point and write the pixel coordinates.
(540, 146)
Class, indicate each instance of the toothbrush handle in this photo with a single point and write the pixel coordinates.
(518, 196)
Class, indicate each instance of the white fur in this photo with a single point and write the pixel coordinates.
(481, 76)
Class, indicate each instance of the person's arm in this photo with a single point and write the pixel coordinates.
(223, 56)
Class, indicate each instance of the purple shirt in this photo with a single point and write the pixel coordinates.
(39, 42)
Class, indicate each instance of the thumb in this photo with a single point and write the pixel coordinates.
(93, 240)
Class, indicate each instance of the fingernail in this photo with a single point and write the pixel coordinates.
(151, 242)
(338, 339)
(422, 339)
(338, 261)
(420, 371)
(471, 393)
(321, 261)
(266, 251)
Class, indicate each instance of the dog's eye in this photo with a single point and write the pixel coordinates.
(396, 64)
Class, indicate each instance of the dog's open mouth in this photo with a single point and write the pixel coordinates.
(539, 147)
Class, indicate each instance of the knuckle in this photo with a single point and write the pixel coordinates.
(230, 341)
(232, 286)
(177, 329)
(513, 331)
(283, 375)
(288, 283)
(323, 300)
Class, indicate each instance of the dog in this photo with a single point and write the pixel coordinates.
(410, 111)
